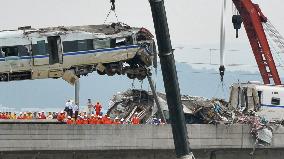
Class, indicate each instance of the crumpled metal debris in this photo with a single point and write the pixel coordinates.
(197, 110)
(125, 104)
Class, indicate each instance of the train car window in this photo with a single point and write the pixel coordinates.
(10, 51)
(275, 101)
(84, 45)
(70, 46)
(79, 45)
(23, 51)
(124, 41)
(41, 48)
(2, 54)
(101, 43)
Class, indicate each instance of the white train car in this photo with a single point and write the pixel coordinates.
(29, 53)
(266, 100)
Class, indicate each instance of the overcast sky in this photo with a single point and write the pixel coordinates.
(192, 23)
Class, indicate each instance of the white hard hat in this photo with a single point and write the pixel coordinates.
(92, 115)
(69, 117)
(136, 113)
(116, 118)
(121, 119)
(20, 113)
(62, 112)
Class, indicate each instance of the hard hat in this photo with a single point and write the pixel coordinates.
(92, 115)
(20, 113)
(136, 113)
(116, 118)
(121, 119)
(62, 112)
(69, 117)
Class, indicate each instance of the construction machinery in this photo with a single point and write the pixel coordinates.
(254, 21)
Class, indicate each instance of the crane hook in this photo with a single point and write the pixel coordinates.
(112, 5)
(222, 72)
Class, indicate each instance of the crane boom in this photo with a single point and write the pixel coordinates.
(253, 18)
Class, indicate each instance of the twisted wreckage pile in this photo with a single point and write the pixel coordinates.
(197, 110)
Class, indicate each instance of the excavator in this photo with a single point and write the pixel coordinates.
(255, 22)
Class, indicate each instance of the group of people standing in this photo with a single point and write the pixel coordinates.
(72, 108)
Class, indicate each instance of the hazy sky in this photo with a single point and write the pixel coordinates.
(192, 23)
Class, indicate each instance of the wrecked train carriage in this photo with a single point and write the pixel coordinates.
(29, 53)
(265, 100)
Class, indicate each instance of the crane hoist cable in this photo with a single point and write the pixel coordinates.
(222, 41)
(112, 9)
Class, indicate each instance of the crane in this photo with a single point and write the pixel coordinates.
(252, 17)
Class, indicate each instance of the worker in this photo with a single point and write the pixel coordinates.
(42, 115)
(69, 120)
(68, 107)
(75, 110)
(25, 117)
(20, 116)
(85, 120)
(93, 119)
(135, 119)
(122, 121)
(61, 116)
(79, 120)
(13, 116)
(98, 108)
(90, 107)
(108, 120)
(49, 116)
(116, 121)
(100, 120)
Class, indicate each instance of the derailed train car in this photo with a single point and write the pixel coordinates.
(56, 52)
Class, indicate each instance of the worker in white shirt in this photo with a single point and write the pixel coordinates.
(90, 108)
(75, 110)
(68, 108)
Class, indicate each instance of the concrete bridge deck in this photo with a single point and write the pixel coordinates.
(146, 141)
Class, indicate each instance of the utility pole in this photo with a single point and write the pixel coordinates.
(171, 84)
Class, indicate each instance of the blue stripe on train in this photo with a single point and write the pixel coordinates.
(272, 106)
(79, 52)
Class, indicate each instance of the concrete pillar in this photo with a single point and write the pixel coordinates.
(77, 92)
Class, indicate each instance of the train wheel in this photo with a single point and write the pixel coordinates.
(101, 72)
(131, 76)
(110, 71)
(141, 77)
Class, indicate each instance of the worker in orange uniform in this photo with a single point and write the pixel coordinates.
(69, 120)
(93, 120)
(135, 119)
(61, 116)
(42, 115)
(100, 120)
(18, 117)
(116, 121)
(79, 120)
(85, 120)
(108, 120)
(98, 108)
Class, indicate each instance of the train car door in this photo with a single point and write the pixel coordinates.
(56, 51)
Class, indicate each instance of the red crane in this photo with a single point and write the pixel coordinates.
(252, 17)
